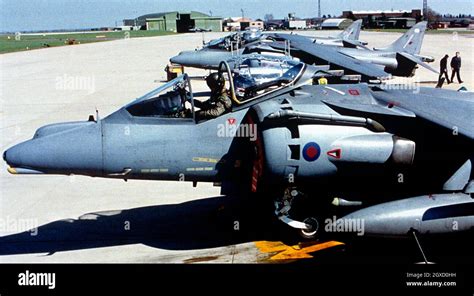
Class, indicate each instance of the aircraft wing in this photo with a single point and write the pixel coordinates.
(452, 110)
(354, 44)
(333, 56)
(442, 107)
(292, 38)
(418, 61)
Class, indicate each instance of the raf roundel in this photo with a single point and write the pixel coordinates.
(311, 151)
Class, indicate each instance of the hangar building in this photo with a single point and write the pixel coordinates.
(179, 22)
(336, 23)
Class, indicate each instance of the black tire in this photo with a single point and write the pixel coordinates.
(313, 232)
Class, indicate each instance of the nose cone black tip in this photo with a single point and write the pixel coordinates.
(185, 57)
(175, 59)
(5, 156)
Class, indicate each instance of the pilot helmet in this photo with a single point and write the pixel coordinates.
(215, 81)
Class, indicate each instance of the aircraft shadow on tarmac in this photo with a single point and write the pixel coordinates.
(210, 223)
(198, 224)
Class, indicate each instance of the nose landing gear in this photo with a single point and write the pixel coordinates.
(311, 231)
(308, 228)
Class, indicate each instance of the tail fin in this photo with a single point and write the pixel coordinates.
(352, 32)
(411, 41)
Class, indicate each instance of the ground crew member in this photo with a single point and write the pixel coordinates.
(456, 67)
(443, 69)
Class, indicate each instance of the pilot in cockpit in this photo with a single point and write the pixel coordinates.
(219, 102)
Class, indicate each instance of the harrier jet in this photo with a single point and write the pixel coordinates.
(290, 142)
(401, 58)
(239, 43)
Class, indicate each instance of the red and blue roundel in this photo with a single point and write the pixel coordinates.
(311, 151)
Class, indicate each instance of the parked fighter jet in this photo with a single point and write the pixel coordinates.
(238, 43)
(235, 41)
(401, 58)
(209, 60)
(286, 141)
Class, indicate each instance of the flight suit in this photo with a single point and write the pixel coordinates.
(217, 105)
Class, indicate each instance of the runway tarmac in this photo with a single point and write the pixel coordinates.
(82, 219)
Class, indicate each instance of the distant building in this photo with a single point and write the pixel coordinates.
(258, 23)
(363, 14)
(274, 24)
(175, 21)
(238, 23)
(385, 18)
(397, 23)
(336, 24)
(458, 22)
(440, 25)
(314, 22)
(293, 22)
(296, 24)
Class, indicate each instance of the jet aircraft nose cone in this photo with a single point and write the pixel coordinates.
(178, 59)
(16, 155)
(70, 151)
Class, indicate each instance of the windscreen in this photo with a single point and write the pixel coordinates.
(166, 101)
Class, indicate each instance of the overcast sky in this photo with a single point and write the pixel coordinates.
(22, 15)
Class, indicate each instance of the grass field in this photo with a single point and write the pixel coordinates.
(8, 43)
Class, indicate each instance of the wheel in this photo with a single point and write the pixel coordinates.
(313, 231)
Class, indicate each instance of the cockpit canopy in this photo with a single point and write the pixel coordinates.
(168, 100)
(260, 73)
(235, 40)
(250, 78)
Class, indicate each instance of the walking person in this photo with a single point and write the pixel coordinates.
(443, 69)
(456, 67)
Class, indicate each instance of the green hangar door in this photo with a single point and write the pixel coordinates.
(184, 23)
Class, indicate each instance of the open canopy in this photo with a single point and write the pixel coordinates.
(235, 40)
(253, 75)
(168, 100)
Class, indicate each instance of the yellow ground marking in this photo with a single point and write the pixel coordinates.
(299, 251)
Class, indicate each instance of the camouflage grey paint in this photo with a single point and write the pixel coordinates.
(398, 59)
(126, 147)
(436, 213)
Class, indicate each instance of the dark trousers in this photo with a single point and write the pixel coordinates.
(458, 75)
(445, 73)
